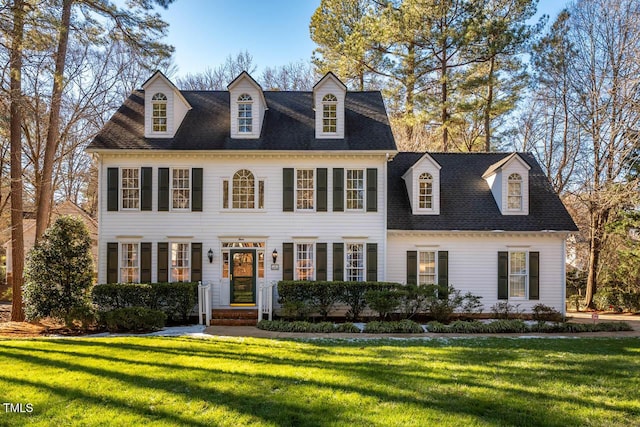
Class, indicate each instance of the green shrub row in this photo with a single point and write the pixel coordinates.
(518, 326)
(175, 300)
(300, 326)
(404, 326)
(132, 319)
(301, 299)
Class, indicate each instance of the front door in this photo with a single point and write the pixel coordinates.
(243, 277)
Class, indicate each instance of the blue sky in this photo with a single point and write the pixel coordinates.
(275, 32)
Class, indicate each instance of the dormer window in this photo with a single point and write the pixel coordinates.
(425, 191)
(245, 115)
(159, 102)
(329, 113)
(514, 201)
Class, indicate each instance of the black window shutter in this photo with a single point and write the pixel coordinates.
(196, 262)
(163, 189)
(287, 190)
(321, 190)
(443, 274)
(412, 267)
(338, 189)
(146, 192)
(145, 262)
(196, 189)
(321, 261)
(112, 263)
(287, 261)
(372, 262)
(534, 275)
(112, 189)
(372, 190)
(163, 262)
(338, 261)
(503, 275)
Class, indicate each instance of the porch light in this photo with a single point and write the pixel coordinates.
(210, 255)
(274, 255)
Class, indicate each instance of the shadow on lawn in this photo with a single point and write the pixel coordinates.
(385, 380)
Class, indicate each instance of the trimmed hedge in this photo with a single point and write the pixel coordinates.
(322, 327)
(402, 327)
(175, 300)
(518, 326)
(132, 319)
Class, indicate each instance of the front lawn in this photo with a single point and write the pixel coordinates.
(237, 381)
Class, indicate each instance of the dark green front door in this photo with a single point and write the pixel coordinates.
(243, 277)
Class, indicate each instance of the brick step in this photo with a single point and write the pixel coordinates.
(234, 322)
(251, 314)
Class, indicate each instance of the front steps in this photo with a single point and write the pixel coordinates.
(234, 317)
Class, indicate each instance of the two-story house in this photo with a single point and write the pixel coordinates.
(245, 187)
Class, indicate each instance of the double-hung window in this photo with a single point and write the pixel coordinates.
(159, 113)
(180, 265)
(245, 114)
(304, 261)
(180, 188)
(425, 191)
(329, 114)
(514, 198)
(518, 272)
(243, 191)
(129, 263)
(355, 189)
(355, 262)
(305, 189)
(427, 268)
(130, 179)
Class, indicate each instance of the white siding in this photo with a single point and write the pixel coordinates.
(214, 224)
(473, 262)
(244, 85)
(515, 166)
(329, 86)
(425, 164)
(176, 109)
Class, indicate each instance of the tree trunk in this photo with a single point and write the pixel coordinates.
(489, 106)
(44, 196)
(17, 237)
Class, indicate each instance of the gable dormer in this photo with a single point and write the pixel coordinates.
(328, 103)
(164, 107)
(509, 183)
(247, 107)
(423, 186)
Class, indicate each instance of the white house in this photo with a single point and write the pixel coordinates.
(245, 187)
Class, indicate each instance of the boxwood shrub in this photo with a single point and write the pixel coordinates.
(405, 326)
(132, 319)
(175, 300)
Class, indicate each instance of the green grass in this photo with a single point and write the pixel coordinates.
(235, 381)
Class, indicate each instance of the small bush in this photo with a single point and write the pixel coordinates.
(322, 327)
(383, 301)
(463, 327)
(413, 299)
(298, 326)
(544, 313)
(348, 328)
(505, 310)
(505, 326)
(109, 296)
(133, 319)
(405, 326)
(437, 327)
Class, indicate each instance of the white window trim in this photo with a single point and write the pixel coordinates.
(120, 253)
(364, 190)
(230, 208)
(190, 176)
(526, 275)
(364, 259)
(165, 102)
(435, 269)
(313, 258)
(249, 102)
(315, 189)
(433, 195)
(521, 196)
(121, 188)
(189, 260)
(326, 103)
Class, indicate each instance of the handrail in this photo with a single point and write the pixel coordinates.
(204, 303)
(265, 300)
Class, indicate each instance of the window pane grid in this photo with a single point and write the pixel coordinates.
(517, 274)
(427, 268)
(243, 190)
(304, 261)
(355, 189)
(159, 117)
(329, 118)
(130, 188)
(180, 189)
(425, 191)
(514, 191)
(304, 189)
(179, 262)
(355, 262)
(129, 271)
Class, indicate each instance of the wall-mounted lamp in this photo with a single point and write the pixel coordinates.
(274, 255)
(210, 255)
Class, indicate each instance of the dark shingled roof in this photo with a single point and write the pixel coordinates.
(289, 124)
(466, 202)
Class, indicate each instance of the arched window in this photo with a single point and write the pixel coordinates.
(514, 192)
(245, 115)
(329, 113)
(425, 191)
(159, 103)
(243, 190)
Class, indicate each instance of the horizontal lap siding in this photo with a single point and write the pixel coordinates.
(473, 263)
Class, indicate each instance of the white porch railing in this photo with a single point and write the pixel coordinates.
(265, 300)
(204, 303)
